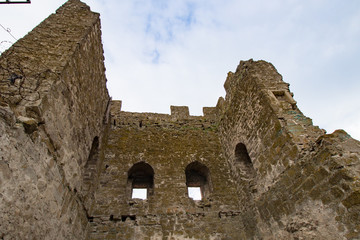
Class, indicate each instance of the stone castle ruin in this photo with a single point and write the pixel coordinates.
(71, 160)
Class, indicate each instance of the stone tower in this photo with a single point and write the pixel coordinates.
(71, 161)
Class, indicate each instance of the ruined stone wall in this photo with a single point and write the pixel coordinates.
(303, 183)
(317, 197)
(68, 166)
(52, 106)
(258, 112)
(168, 143)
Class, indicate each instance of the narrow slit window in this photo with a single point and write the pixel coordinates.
(140, 193)
(242, 155)
(194, 193)
(243, 161)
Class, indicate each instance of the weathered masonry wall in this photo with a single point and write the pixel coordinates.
(168, 143)
(52, 106)
(304, 184)
(70, 158)
(260, 113)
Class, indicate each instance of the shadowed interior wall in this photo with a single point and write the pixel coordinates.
(49, 115)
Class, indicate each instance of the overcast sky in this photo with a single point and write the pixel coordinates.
(178, 52)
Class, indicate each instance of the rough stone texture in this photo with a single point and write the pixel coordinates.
(168, 143)
(49, 117)
(180, 112)
(305, 183)
(69, 157)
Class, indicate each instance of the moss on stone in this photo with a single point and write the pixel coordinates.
(320, 174)
(352, 200)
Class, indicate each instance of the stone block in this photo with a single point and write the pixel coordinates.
(180, 112)
(115, 107)
(210, 112)
(352, 200)
(320, 174)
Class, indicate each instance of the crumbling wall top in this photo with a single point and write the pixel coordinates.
(176, 112)
(180, 111)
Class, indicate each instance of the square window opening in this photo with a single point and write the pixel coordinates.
(140, 193)
(194, 193)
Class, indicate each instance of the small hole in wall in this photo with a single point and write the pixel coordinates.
(140, 124)
(114, 122)
(113, 219)
(131, 217)
(106, 166)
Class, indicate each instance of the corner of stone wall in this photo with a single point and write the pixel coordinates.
(229, 82)
(341, 159)
(52, 108)
(320, 191)
(299, 170)
(250, 117)
(210, 113)
(115, 107)
(72, 5)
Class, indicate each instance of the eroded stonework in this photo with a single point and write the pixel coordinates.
(70, 158)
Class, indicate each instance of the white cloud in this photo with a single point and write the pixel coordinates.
(178, 52)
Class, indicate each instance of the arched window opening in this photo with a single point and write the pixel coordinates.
(94, 151)
(197, 181)
(242, 156)
(141, 180)
(244, 166)
(91, 166)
